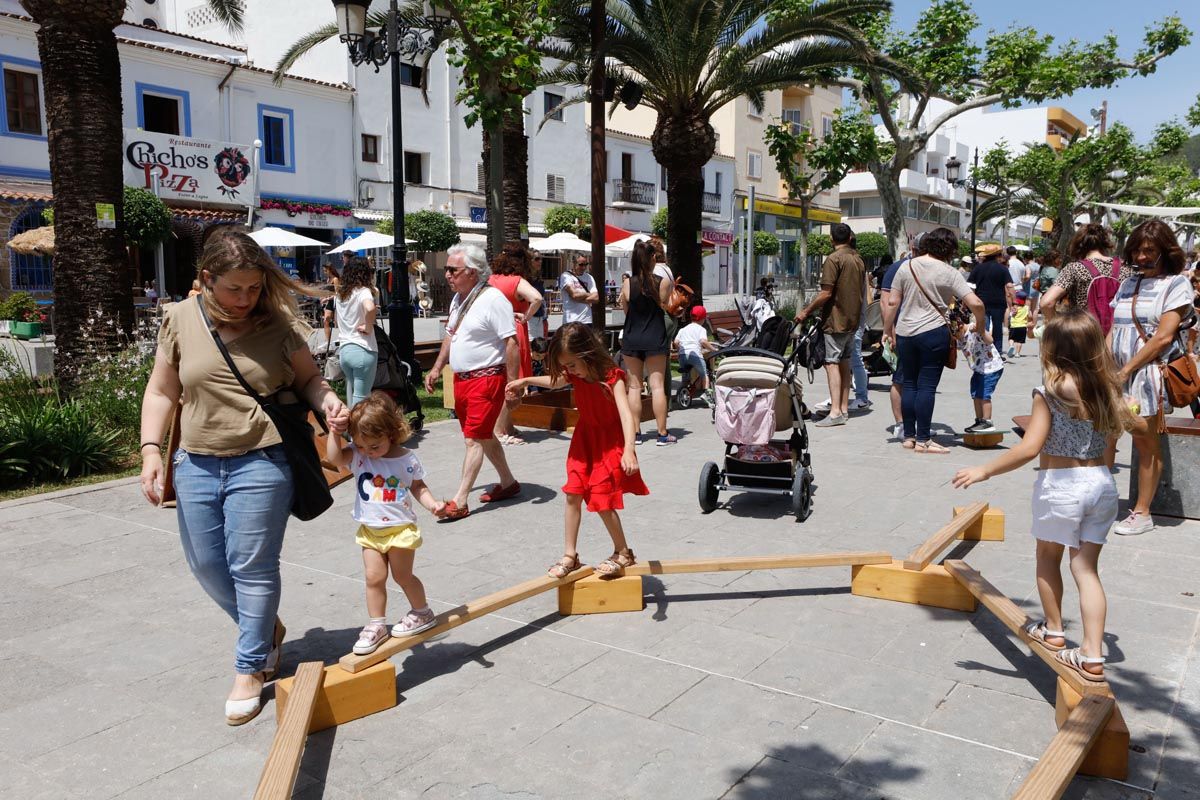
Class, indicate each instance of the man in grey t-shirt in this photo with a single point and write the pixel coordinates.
(578, 291)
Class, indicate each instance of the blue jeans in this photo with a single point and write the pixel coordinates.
(232, 514)
(358, 365)
(856, 364)
(922, 358)
(994, 318)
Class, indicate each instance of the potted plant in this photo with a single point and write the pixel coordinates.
(21, 312)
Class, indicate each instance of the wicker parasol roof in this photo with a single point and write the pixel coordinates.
(36, 242)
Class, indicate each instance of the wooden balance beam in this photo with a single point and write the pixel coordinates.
(462, 614)
(279, 773)
(1053, 773)
(595, 595)
(932, 547)
(1014, 619)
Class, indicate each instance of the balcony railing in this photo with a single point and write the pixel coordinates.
(639, 192)
(712, 203)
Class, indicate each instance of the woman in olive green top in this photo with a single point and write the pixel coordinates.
(232, 479)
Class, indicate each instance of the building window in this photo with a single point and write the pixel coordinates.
(370, 148)
(664, 179)
(556, 188)
(753, 164)
(413, 167)
(861, 207)
(22, 102)
(826, 127)
(794, 119)
(29, 273)
(411, 74)
(551, 101)
(277, 130)
(162, 109)
(717, 178)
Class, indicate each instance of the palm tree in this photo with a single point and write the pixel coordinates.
(81, 76)
(693, 57)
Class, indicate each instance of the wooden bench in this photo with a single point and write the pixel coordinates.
(730, 320)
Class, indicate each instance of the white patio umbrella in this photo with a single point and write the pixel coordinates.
(561, 241)
(1153, 211)
(623, 247)
(282, 237)
(371, 240)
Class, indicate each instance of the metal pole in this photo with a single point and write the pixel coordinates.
(599, 166)
(751, 267)
(400, 319)
(160, 267)
(974, 201)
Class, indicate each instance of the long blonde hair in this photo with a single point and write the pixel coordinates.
(234, 251)
(1073, 349)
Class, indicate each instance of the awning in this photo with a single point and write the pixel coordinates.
(1153, 211)
(281, 237)
(614, 234)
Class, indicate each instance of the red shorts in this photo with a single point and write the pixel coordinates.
(477, 404)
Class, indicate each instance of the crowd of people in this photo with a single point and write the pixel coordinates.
(1105, 324)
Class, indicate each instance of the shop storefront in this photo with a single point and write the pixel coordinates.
(785, 220)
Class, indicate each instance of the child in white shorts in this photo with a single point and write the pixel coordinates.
(1074, 495)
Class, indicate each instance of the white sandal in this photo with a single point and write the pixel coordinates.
(1038, 632)
(239, 712)
(1075, 659)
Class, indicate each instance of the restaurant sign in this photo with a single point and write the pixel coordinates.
(189, 169)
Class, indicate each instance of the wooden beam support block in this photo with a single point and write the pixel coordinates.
(1109, 756)
(1015, 619)
(344, 696)
(460, 615)
(982, 441)
(932, 547)
(283, 762)
(932, 586)
(740, 563)
(1052, 774)
(988, 529)
(594, 595)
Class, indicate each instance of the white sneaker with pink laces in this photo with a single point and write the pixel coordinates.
(1134, 524)
(369, 639)
(415, 622)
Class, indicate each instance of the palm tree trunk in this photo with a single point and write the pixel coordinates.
(514, 189)
(684, 144)
(81, 73)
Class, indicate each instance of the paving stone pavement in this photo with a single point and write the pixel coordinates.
(114, 665)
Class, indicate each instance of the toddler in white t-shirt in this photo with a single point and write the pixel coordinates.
(692, 341)
(387, 479)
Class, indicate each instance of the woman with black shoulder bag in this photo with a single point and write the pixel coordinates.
(234, 353)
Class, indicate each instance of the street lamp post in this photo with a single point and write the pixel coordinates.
(974, 200)
(405, 37)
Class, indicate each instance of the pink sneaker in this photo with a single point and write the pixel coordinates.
(369, 639)
(415, 622)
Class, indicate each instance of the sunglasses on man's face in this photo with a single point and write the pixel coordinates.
(452, 270)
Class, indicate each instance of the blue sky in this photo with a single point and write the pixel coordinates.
(1141, 103)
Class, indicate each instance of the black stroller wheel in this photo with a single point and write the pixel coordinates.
(710, 476)
(801, 494)
(683, 398)
(418, 423)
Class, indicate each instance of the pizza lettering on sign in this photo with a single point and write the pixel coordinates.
(189, 169)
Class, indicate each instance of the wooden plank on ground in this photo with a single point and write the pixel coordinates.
(1014, 619)
(924, 555)
(1053, 773)
(462, 614)
(279, 773)
(737, 564)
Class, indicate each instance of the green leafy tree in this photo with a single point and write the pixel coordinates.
(147, 218)
(432, 231)
(693, 57)
(496, 44)
(658, 223)
(943, 60)
(1063, 184)
(765, 243)
(568, 218)
(81, 78)
(873, 245)
(810, 164)
(819, 244)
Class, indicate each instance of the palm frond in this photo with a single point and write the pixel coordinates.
(230, 13)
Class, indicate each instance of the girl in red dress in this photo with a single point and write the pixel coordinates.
(602, 463)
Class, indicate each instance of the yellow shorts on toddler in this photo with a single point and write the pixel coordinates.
(407, 537)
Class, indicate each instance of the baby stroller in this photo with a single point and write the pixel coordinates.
(872, 343)
(759, 394)
(754, 313)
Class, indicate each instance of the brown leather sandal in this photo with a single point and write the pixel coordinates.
(614, 565)
(564, 566)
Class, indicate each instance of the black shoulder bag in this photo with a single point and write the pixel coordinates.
(310, 489)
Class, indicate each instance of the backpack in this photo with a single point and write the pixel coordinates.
(810, 349)
(775, 335)
(1101, 292)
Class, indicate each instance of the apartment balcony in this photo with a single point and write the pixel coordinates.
(631, 194)
(712, 203)
(857, 182)
(913, 181)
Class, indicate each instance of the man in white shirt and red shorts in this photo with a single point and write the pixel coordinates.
(481, 348)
